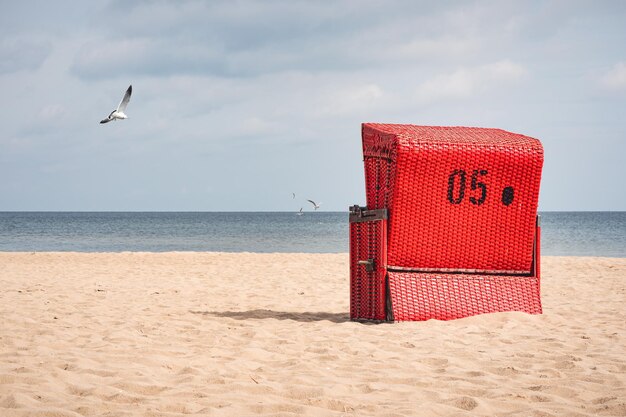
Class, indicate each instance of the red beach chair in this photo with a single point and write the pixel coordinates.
(450, 229)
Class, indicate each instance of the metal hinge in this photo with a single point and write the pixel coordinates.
(369, 264)
(362, 214)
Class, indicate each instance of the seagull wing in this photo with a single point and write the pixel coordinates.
(125, 99)
(312, 202)
(109, 118)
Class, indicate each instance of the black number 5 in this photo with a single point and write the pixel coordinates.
(475, 184)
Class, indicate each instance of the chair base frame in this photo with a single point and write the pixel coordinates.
(380, 292)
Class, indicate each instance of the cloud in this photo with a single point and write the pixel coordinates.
(503, 71)
(17, 54)
(257, 126)
(615, 78)
(466, 82)
(52, 112)
(102, 58)
(351, 100)
(245, 39)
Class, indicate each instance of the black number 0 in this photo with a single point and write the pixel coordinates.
(451, 181)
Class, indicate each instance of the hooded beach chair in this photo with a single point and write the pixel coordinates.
(450, 229)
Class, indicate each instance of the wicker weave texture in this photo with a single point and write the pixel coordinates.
(367, 288)
(416, 296)
(459, 198)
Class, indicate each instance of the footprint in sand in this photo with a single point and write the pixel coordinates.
(464, 403)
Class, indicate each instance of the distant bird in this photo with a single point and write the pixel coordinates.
(294, 196)
(300, 213)
(315, 205)
(119, 112)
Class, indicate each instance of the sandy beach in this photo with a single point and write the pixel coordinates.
(217, 334)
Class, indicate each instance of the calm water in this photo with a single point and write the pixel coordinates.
(563, 233)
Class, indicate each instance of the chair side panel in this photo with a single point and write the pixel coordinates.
(379, 152)
(378, 182)
(367, 288)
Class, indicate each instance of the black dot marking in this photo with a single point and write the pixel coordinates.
(507, 196)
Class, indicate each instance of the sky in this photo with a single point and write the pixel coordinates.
(238, 104)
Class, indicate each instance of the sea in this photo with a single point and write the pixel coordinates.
(562, 233)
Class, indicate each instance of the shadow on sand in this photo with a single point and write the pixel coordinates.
(305, 316)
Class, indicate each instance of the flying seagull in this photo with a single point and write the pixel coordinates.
(121, 108)
(294, 196)
(315, 205)
(300, 213)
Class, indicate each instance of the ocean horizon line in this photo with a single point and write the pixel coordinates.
(257, 211)
(572, 233)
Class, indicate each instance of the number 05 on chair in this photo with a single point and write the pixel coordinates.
(450, 229)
